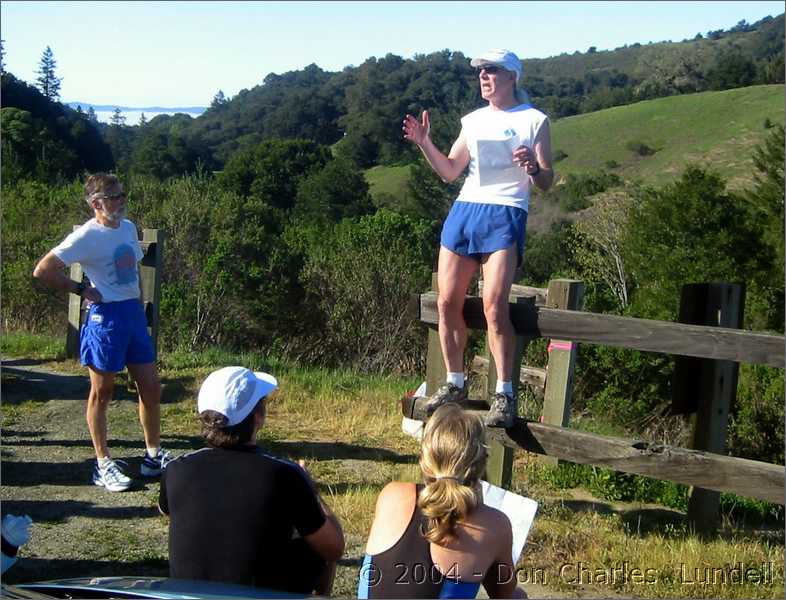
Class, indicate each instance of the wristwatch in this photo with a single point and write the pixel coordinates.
(536, 171)
(80, 288)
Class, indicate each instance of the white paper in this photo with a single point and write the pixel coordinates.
(519, 509)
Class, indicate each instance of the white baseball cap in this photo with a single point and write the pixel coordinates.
(502, 58)
(234, 392)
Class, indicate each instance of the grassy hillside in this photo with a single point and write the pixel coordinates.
(388, 181)
(717, 129)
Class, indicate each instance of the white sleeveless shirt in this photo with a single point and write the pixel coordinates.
(491, 136)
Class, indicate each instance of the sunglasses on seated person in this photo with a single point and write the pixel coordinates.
(490, 69)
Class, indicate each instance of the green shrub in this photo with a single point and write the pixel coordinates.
(640, 148)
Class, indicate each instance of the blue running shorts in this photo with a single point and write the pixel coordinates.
(473, 229)
(114, 335)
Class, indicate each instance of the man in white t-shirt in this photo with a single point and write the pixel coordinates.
(115, 334)
(507, 147)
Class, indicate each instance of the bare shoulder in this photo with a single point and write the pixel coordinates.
(492, 518)
(395, 494)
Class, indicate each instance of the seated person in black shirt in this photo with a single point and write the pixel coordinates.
(239, 515)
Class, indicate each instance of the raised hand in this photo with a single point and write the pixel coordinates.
(416, 131)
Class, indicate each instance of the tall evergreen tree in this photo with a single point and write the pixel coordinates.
(117, 117)
(91, 114)
(142, 120)
(48, 82)
(2, 56)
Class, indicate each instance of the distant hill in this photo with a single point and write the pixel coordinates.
(716, 129)
(196, 110)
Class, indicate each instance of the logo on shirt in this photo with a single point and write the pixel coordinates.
(124, 263)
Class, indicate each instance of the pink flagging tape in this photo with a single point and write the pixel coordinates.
(556, 345)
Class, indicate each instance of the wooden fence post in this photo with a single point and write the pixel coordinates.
(150, 279)
(707, 387)
(435, 364)
(499, 467)
(74, 315)
(566, 294)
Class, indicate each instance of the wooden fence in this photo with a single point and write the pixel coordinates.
(710, 384)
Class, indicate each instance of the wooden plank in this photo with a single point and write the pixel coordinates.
(715, 389)
(150, 278)
(566, 294)
(628, 332)
(691, 467)
(540, 294)
(532, 376)
(74, 315)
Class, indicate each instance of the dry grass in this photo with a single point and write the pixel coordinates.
(347, 427)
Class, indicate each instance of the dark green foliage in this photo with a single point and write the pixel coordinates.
(270, 170)
(35, 217)
(756, 421)
(547, 255)
(45, 140)
(574, 194)
(335, 192)
(687, 232)
(358, 276)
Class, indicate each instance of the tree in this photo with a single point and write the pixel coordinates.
(599, 235)
(91, 114)
(2, 56)
(218, 100)
(142, 120)
(117, 118)
(47, 80)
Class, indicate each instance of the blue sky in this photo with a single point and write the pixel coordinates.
(182, 53)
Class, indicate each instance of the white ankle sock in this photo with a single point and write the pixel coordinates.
(153, 452)
(505, 387)
(456, 379)
(102, 461)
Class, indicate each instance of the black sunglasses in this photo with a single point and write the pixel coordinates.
(490, 69)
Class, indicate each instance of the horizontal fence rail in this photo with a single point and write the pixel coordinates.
(741, 476)
(639, 334)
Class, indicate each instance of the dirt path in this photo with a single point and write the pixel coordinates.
(80, 529)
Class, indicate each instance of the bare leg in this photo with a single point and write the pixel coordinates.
(498, 271)
(454, 274)
(102, 384)
(149, 387)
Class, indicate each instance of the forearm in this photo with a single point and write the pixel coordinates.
(57, 280)
(447, 168)
(544, 178)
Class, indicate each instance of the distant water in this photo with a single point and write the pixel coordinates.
(133, 116)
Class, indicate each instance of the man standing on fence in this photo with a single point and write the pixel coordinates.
(115, 334)
(507, 146)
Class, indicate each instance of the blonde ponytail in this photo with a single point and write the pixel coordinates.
(452, 458)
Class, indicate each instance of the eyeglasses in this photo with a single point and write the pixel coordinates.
(490, 69)
(113, 196)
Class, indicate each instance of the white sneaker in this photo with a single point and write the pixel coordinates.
(111, 477)
(153, 466)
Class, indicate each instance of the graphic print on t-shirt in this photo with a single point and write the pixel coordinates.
(124, 263)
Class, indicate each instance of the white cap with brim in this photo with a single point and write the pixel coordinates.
(502, 58)
(234, 392)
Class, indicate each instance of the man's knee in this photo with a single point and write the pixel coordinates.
(497, 316)
(450, 305)
(101, 394)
